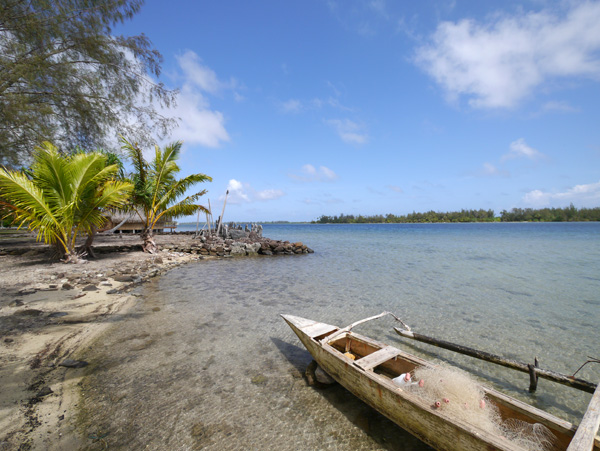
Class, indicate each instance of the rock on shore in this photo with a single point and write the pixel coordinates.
(180, 242)
(246, 246)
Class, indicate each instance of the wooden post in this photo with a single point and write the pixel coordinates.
(586, 432)
(533, 378)
(222, 213)
(570, 381)
(208, 221)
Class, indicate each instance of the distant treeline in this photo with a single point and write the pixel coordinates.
(515, 215)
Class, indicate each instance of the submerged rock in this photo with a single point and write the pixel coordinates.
(259, 379)
(45, 391)
(323, 377)
(57, 314)
(70, 363)
(28, 312)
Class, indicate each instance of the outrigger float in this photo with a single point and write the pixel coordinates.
(371, 370)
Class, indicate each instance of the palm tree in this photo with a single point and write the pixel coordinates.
(156, 189)
(120, 175)
(63, 197)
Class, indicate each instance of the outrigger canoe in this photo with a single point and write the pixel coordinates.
(369, 377)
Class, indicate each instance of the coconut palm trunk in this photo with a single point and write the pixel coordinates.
(86, 248)
(148, 243)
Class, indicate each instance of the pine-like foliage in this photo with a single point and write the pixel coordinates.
(65, 77)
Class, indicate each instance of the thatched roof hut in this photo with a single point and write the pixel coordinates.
(134, 224)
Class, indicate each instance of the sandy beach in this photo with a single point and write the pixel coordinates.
(48, 312)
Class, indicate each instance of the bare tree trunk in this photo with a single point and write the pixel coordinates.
(148, 244)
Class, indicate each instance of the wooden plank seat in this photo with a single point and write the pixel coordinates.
(318, 329)
(377, 358)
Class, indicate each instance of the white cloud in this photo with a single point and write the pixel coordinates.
(327, 173)
(269, 194)
(395, 188)
(581, 195)
(291, 106)
(308, 173)
(243, 193)
(488, 170)
(203, 77)
(499, 63)
(198, 122)
(349, 131)
(379, 6)
(309, 169)
(562, 107)
(520, 149)
(237, 193)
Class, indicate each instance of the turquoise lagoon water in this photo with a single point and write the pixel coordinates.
(207, 363)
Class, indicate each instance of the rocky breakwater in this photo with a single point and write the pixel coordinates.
(219, 247)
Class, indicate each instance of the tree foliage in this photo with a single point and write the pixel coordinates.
(62, 197)
(65, 77)
(430, 216)
(570, 213)
(156, 188)
(567, 214)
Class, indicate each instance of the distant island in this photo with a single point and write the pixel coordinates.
(567, 214)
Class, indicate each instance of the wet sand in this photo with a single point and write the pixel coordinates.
(49, 311)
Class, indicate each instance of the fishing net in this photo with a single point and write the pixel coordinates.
(457, 395)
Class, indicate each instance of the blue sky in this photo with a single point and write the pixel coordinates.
(305, 108)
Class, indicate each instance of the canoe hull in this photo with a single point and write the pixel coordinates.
(408, 412)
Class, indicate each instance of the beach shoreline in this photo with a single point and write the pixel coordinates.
(50, 311)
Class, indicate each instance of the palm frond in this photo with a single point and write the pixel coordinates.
(164, 168)
(112, 195)
(50, 173)
(180, 187)
(178, 210)
(185, 207)
(28, 204)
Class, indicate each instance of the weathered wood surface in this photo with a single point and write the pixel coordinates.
(410, 412)
(377, 358)
(570, 381)
(588, 428)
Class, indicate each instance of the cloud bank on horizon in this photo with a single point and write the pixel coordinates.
(387, 107)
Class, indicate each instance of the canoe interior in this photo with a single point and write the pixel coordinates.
(362, 347)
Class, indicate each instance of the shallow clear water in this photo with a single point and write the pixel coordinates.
(208, 363)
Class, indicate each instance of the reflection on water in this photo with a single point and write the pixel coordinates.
(211, 365)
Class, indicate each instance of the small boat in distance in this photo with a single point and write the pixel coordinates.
(367, 368)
